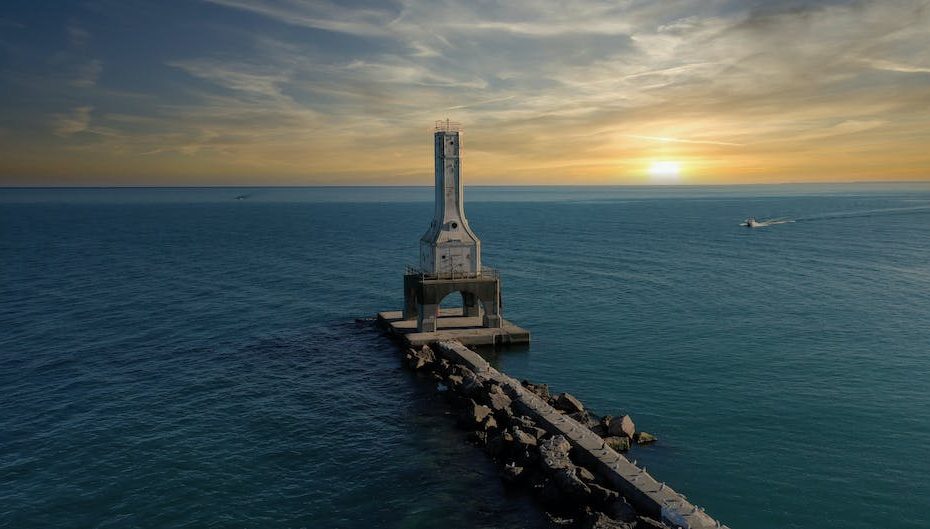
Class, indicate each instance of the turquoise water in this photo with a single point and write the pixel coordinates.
(180, 358)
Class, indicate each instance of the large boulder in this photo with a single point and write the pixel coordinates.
(568, 403)
(622, 427)
(584, 418)
(471, 383)
(460, 370)
(620, 444)
(602, 495)
(555, 462)
(644, 438)
(527, 425)
(444, 366)
(523, 421)
(489, 424)
(584, 474)
(524, 450)
(538, 433)
(455, 381)
(463, 380)
(554, 453)
(541, 390)
(569, 483)
(523, 439)
(419, 359)
(599, 429)
(498, 400)
(475, 415)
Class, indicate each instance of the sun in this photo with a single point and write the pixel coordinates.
(665, 172)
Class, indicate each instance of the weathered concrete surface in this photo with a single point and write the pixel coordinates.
(481, 294)
(451, 325)
(647, 495)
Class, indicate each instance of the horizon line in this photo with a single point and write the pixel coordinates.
(349, 186)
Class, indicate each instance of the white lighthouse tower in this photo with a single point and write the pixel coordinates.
(449, 248)
(450, 264)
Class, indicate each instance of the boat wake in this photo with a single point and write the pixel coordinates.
(752, 222)
(881, 212)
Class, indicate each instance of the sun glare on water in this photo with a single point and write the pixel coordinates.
(665, 172)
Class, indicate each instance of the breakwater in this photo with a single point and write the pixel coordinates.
(553, 446)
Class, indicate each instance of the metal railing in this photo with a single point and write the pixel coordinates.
(412, 270)
(445, 125)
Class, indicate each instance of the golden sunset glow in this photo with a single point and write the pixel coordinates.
(665, 172)
(320, 93)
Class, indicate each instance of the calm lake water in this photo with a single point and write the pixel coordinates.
(180, 358)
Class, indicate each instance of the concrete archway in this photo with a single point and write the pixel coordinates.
(466, 302)
(422, 297)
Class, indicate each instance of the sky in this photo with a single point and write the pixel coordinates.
(293, 92)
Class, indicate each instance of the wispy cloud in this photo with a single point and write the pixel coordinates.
(78, 120)
(480, 103)
(318, 15)
(86, 74)
(896, 67)
(665, 139)
(238, 76)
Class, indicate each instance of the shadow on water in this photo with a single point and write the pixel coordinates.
(495, 354)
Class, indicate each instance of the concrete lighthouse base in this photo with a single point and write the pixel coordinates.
(478, 322)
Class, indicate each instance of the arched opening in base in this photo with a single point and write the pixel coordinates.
(461, 303)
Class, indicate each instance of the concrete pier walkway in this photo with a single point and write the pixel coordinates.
(644, 492)
(452, 325)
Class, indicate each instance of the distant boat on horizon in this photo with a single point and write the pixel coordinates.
(751, 222)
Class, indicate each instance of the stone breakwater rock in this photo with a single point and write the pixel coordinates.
(418, 359)
(498, 400)
(523, 439)
(600, 429)
(477, 417)
(541, 390)
(644, 438)
(584, 418)
(554, 452)
(622, 427)
(584, 474)
(568, 403)
(528, 454)
(466, 382)
(527, 425)
(619, 444)
(555, 461)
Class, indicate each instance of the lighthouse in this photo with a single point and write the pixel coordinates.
(449, 266)
(450, 252)
(449, 248)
